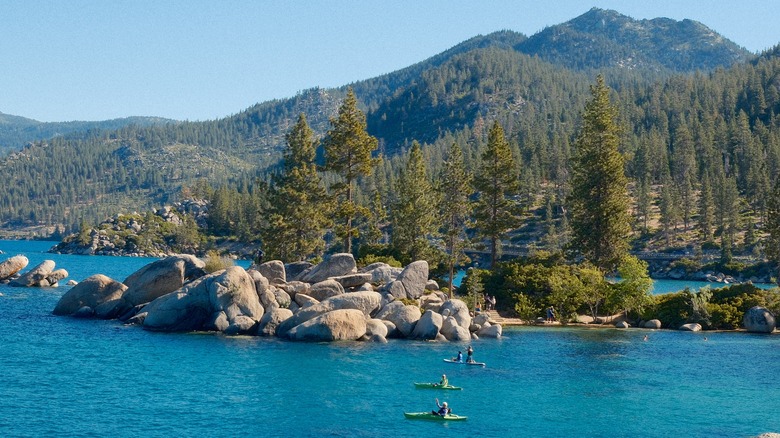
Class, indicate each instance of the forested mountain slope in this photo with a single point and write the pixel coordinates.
(16, 132)
(449, 97)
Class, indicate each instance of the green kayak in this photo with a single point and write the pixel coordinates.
(436, 386)
(433, 417)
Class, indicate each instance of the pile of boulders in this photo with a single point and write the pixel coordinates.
(43, 275)
(329, 301)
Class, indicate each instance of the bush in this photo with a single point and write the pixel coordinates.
(672, 309)
(689, 265)
(372, 258)
(215, 262)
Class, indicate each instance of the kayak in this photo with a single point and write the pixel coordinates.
(436, 386)
(433, 417)
(481, 364)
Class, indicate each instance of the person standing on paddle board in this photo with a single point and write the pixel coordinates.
(470, 355)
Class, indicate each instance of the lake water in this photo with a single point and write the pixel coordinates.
(63, 376)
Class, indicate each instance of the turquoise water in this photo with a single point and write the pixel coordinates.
(62, 376)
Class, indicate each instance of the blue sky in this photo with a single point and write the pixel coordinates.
(199, 60)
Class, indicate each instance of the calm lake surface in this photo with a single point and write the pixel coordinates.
(63, 376)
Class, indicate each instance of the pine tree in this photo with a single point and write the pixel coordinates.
(454, 188)
(299, 206)
(348, 149)
(414, 214)
(773, 229)
(599, 199)
(705, 208)
(496, 182)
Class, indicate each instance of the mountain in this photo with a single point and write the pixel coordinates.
(604, 38)
(16, 131)
(535, 86)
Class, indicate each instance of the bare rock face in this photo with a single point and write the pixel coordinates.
(231, 291)
(36, 276)
(338, 325)
(98, 292)
(459, 310)
(404, 317)
(759, 319)
(12, 266)
(325, 289)
(336, 266)
(161, 277)
(271, 320)
(428, 326)
(274, 271)
(691, 327)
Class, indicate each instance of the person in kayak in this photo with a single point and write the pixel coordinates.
(470, 355)
(443, 409)
(444, 381)
(458, 358)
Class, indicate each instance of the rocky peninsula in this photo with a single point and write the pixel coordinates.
(330, 301)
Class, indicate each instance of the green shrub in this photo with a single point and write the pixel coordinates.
(215, 262)
(373, 258)
(673, 310)
(689, 265)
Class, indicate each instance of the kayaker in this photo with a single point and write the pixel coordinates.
(459, 357)
(470, 355)
(443, 409)
(444, 381)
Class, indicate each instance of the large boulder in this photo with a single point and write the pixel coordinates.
(338, 325)
(428, 326)
(335, 266)
(404, 317)
(55, 277)
(161, 277)
(192, 307)
(12, 266)
(274, 271)
(759, 319)
(325, 289)
(381, 273)
(653, 324)
(459, 310)
(98, 292)
(691, 327)
(353, 280)
(414, 277)
(490, 331)
(35, 276)
(452, 331)
(376, 327)
(294, 269)
(271, 320)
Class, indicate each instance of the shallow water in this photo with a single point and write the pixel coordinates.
(63, 376)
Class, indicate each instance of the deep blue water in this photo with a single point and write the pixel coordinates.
(62, 376)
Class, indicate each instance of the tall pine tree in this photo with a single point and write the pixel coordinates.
(298, 204)
(773, 229)
(599, 198)
(413, 214)
(454, 209)
(496, 183)
(348, 149)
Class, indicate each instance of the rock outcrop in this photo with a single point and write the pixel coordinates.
(12, 266)
(173, 294)
(759, 319)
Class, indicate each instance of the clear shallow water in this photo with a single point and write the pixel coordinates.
(62, 376)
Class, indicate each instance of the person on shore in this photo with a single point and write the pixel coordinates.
(470, 355)
(493, 302)
(458, 358)
(550, 314)
(443, 409)
(444, 381)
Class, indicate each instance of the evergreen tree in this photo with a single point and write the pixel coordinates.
(496, 182)
(348, 149)
(413, 214)
(773, 229)
(599, 199)
(705, 208)
(298, 211)
(454, 209)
